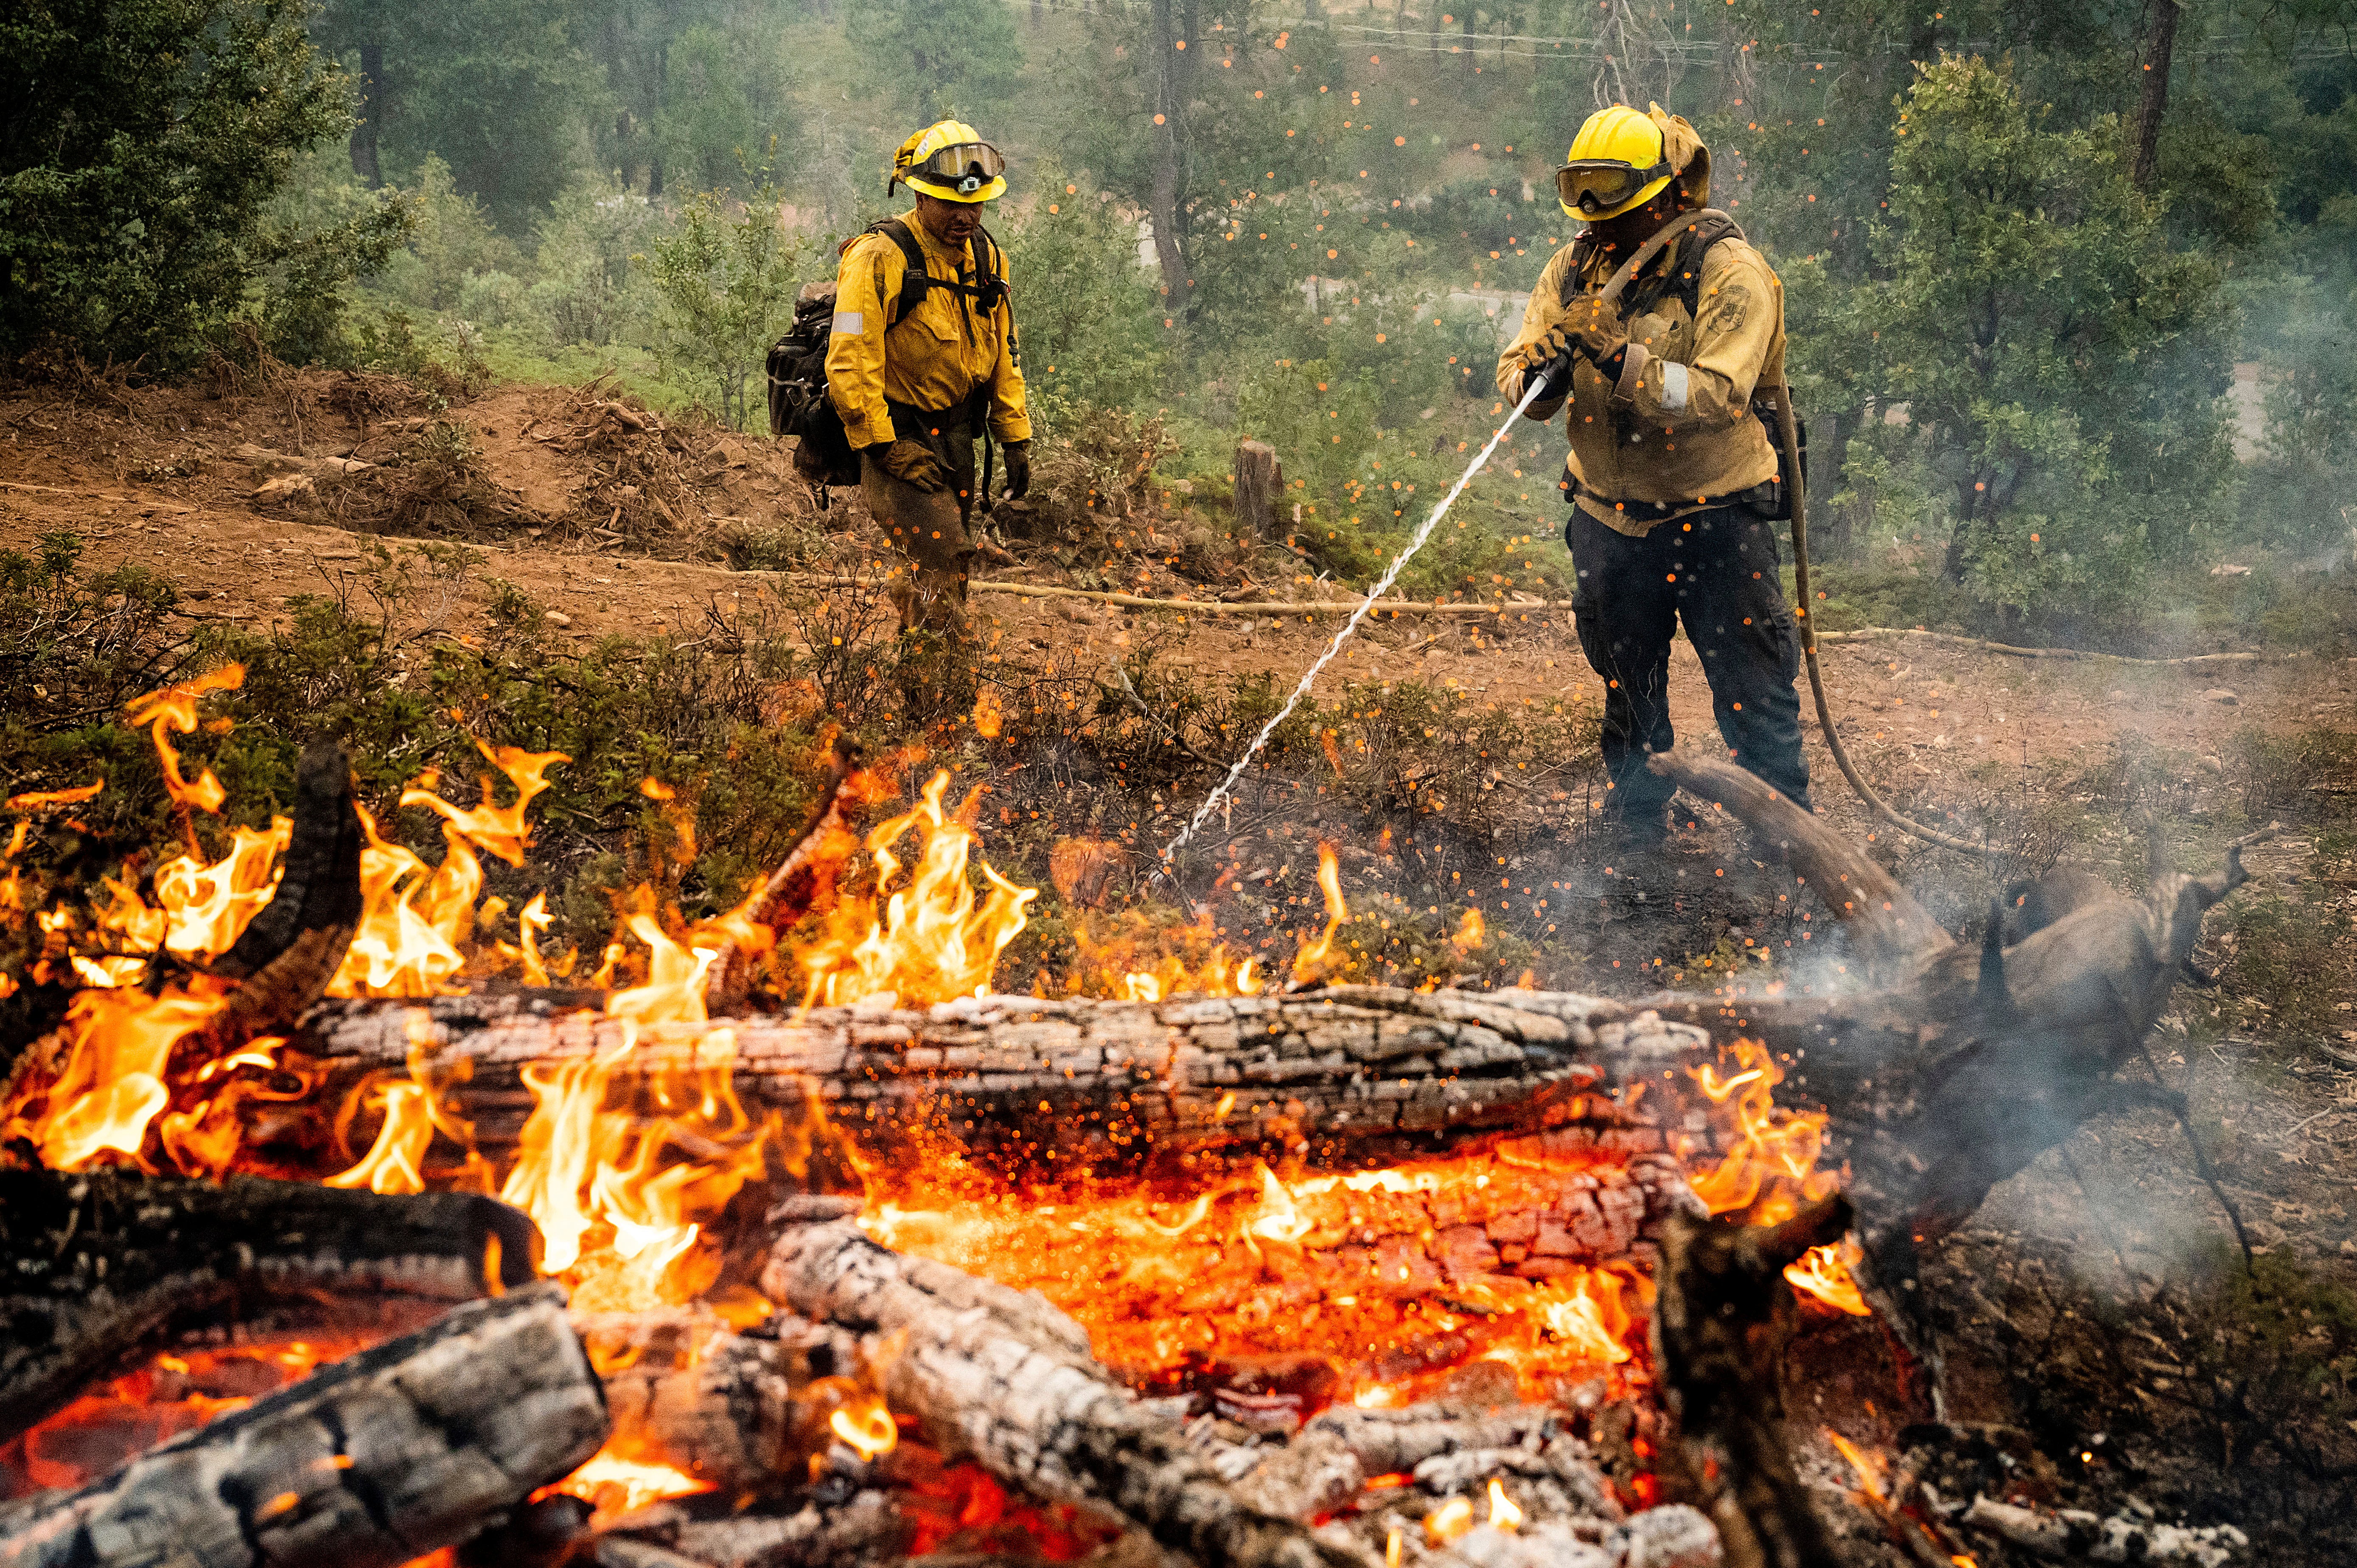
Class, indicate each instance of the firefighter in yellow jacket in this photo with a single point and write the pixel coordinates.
(1672, 475)
(918, 372)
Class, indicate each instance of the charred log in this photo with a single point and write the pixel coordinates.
(105, 1267)
(791, 891)
(1350, 1070)
(1000, 1375)
(1720, 1322)
(375, 1460)
(294, 947)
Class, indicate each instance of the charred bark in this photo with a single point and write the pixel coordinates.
(1000, 1375)
(1721, 1320)
(286, 958)
(801, 879)
(1055, 1084)
(105, 1267)
(387, 1455)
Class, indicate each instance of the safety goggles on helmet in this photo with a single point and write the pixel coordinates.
(1598, 187)
(963, 167)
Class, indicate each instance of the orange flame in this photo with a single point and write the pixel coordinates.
(1313, 956)
(930, 943)
(869, 1429)
(119, 1043)
(616, 1486)
(208, 908)
(1450, 1521)
(1504, 1514)
(412, 918)
(989, 718)
(172, 711)
(1869, 1468)
(40, 798)
(1825, 1273)
(1593, 1321)
(1770, 1168)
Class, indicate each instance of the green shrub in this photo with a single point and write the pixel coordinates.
(143, 146)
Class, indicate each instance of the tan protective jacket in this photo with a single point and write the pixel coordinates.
(936, 359)
(1677, 427)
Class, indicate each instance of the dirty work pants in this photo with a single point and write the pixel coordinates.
(928, 529)
(1716, 570)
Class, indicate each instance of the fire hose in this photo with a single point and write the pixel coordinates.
(1788, 433)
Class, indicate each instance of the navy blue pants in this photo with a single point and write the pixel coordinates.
(1717, 569)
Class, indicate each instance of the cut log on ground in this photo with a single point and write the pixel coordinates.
(375, 1460)
(1001, 1377)
(1350, 1070)
(105, 1267)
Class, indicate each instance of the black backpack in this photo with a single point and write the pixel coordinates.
(799, 404)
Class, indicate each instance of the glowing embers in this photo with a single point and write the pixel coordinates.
(1283, 1295)
(614, 1486)
(124, 1417)
(1770, 1167)
(921, 939)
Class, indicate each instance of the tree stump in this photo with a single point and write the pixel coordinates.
(1260, 480)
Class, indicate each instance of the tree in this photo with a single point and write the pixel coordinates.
(141, 144)
(948, 57)
(501, 92)
(725, 284)
(2063, 369)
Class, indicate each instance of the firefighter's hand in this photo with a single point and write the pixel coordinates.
(1596, 331)
(913, 464)
(1018, 468)
(1547, 356)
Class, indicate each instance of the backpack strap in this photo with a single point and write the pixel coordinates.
(1707, 228)
(915, 280)
(990, 287)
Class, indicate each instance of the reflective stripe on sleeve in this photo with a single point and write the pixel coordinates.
(1673, 386)
(853, 322)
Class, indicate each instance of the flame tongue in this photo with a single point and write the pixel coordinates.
(928, 942)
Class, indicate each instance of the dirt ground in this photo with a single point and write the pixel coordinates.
(2119, 1215)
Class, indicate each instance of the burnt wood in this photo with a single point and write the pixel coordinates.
(801, 880)
(107, 1267)
(1001, 1377)
(371, 1462)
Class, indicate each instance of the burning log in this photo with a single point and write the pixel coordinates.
(1966, 1065)
(383, 1457)
(106, 1266)
(1003, 1377)
(801, 879)
(1360, 1068)
(284, 960)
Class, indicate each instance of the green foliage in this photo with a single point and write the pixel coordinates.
(1089, 322)
(938, 60)
(498, 91)
(451, 241)
(725, 103)
(725, 280)
(140, 152)
(2062, 366)
(589, 290)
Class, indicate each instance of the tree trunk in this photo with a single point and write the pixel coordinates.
(370, 110)
(1170, 82)
(372, 1462)
(1260, 479)
(2144, 162)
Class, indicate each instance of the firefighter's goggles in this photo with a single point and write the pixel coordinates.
(963, 167)
(1597, 186)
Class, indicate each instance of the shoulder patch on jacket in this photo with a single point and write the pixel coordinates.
(1734, 305)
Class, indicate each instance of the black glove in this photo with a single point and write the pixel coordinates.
(913, 464)
(1018, 468)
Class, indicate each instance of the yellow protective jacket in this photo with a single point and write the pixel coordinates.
(935, 359)
(1677, 429)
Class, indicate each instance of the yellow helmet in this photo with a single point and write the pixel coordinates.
(951, 161)
(1619, 160)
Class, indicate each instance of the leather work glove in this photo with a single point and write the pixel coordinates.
(1018, 468)
(1549, 358)
(913, 464)
(1597, 333)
